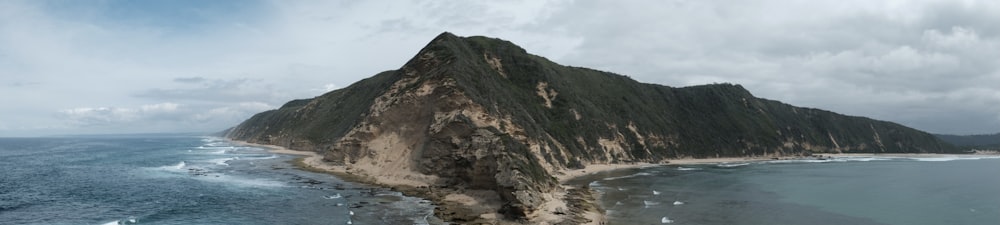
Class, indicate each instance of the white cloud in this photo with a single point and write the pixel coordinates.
(162, 117)
(232, 114)
(957, 38)
(914, 62)
(117, 116)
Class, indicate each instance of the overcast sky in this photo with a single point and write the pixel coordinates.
(116, 66)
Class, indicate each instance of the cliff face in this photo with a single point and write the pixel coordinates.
(481, 113)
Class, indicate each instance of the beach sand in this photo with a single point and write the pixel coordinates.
(567, 175)
(360, 173)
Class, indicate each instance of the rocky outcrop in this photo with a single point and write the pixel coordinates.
(480, 113)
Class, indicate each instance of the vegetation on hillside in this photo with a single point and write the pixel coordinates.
(698, 121)
(973, 142)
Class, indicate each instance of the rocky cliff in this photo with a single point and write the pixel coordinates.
(481, 113)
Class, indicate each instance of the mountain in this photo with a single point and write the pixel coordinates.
(980, 142)
(479, 113)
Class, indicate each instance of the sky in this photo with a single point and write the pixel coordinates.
(117, 66)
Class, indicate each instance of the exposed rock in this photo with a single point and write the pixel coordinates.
(482, 114)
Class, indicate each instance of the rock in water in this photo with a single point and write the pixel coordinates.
(480, 113)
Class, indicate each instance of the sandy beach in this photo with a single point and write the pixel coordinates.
(566, 175)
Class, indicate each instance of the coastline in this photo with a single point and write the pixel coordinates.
(471, 206)
(597, 217)
(566, 175)
(566, 204)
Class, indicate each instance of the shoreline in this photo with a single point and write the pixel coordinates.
(567, 175)
(449, 204)
(598, 218)
(566, 204)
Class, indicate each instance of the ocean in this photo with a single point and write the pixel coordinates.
(189, 179)
(181, 179)
(857, 190)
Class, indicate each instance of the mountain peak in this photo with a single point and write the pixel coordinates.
(480, 113)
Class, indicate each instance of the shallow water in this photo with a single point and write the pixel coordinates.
(162, 179)
(896, 191)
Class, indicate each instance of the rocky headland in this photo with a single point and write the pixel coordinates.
(489, 132)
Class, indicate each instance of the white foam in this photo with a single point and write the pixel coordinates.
(336, 196)
(239, 181)
(223, 161)
(656, 192)
(951, 158)
(799, 161)
(730, 165)
(678, 203)
(666, 220)
(176, 167)
(128, 220)
(648, 203)
(260, 158)
(687, 168)
(629, 176)
(934, 159)
(831, 160)
(862, 159)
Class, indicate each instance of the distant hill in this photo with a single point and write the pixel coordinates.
(981, 141)
(480, 113)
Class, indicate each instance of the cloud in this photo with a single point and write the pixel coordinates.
(917, 63)
(927, 64)
(106, 116)
(190, 79)
(20, 84)
(156, 117)
(218, 90)
(241, 110)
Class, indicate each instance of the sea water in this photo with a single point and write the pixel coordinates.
(180, 179)
(858, 190)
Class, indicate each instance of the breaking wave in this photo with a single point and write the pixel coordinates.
(629, 176)
(223, 161)
(688, 168)
(731, 165)
(176, 167)
(950, 158)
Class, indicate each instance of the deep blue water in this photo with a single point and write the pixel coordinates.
(164, 179)
(861, 191)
